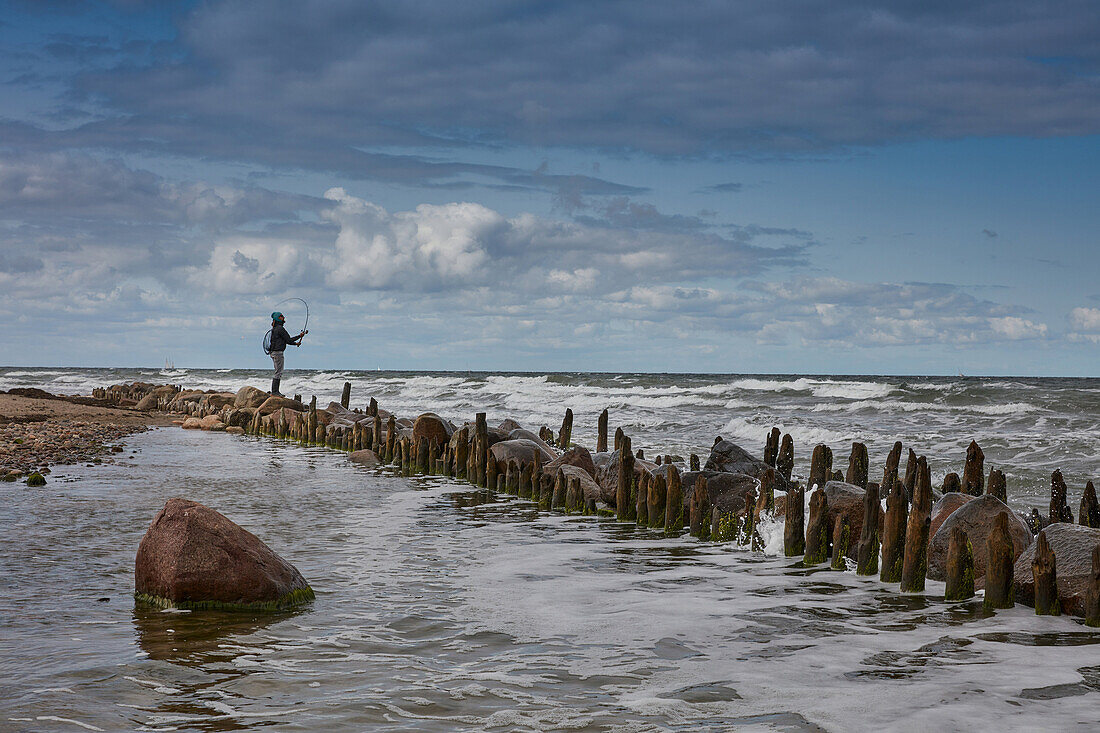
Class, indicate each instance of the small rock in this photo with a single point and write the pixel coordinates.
(365, 457)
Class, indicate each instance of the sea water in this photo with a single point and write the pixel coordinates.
(444, 608)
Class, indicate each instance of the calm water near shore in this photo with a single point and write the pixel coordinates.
(439, 608)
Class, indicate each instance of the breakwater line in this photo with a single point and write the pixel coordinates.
(968, 536)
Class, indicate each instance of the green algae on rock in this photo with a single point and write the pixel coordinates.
(290, 600)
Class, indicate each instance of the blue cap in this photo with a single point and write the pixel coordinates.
(276, 316)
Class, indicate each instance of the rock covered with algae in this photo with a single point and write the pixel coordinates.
(194, 557)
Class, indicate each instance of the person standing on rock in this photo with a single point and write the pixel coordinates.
(279, 340)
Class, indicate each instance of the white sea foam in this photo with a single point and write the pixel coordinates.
(769, 385)
(850, 390)
(1012, 408)
(751, 432)
(58, 719)
(896, 406)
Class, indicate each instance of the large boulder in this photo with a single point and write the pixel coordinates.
(507, 425)
(148, 402)
(192, 423)
(520, 451)
(339, 412)
(730, 493)
(211, 422)
(340, 416)
(945, 507)
(285, 413)
(271, 404)
(249, 397)
(976, 519)
(727, 457)
(239, 417)
(521, 434)
(365, 457)
(589, 486)
(1072, 546)
(577, 456)
(194, 557)
(846, 500)
(433, 427)
(494, 435)
(607, 473)
(218, 400)
(179, 402)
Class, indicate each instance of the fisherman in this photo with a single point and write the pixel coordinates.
(279, 340)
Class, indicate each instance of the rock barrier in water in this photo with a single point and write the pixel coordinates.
(967, 537)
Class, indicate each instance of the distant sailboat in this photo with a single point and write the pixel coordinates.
(168, 365)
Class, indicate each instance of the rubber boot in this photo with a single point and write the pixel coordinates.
(275, 388)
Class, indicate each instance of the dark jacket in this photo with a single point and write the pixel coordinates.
(280, 338)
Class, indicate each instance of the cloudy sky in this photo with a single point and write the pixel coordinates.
(809, 186)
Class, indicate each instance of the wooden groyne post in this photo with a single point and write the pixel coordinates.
(565, 435)
(624, 500)
(601, 432)
(867, 551)
(1000, 590)
(974, 471)
(817, 531)
(893, 533)
(858, 466)
(794, 524)
(674, 504)
(960, 567)
(915, 565)
(1045, 574)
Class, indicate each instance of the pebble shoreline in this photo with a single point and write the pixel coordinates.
(35, 446)
(39, 430)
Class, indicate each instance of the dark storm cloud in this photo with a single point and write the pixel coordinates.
(706, 77)
(277, 148)
(724, 188)
(316, 85)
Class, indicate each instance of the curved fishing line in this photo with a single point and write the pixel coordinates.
(305, 326)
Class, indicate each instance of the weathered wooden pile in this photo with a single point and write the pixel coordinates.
(969, 538)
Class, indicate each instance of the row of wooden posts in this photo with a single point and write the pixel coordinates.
(656, 501)
(903, 548)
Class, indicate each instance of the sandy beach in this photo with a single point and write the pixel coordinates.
(38, 429)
